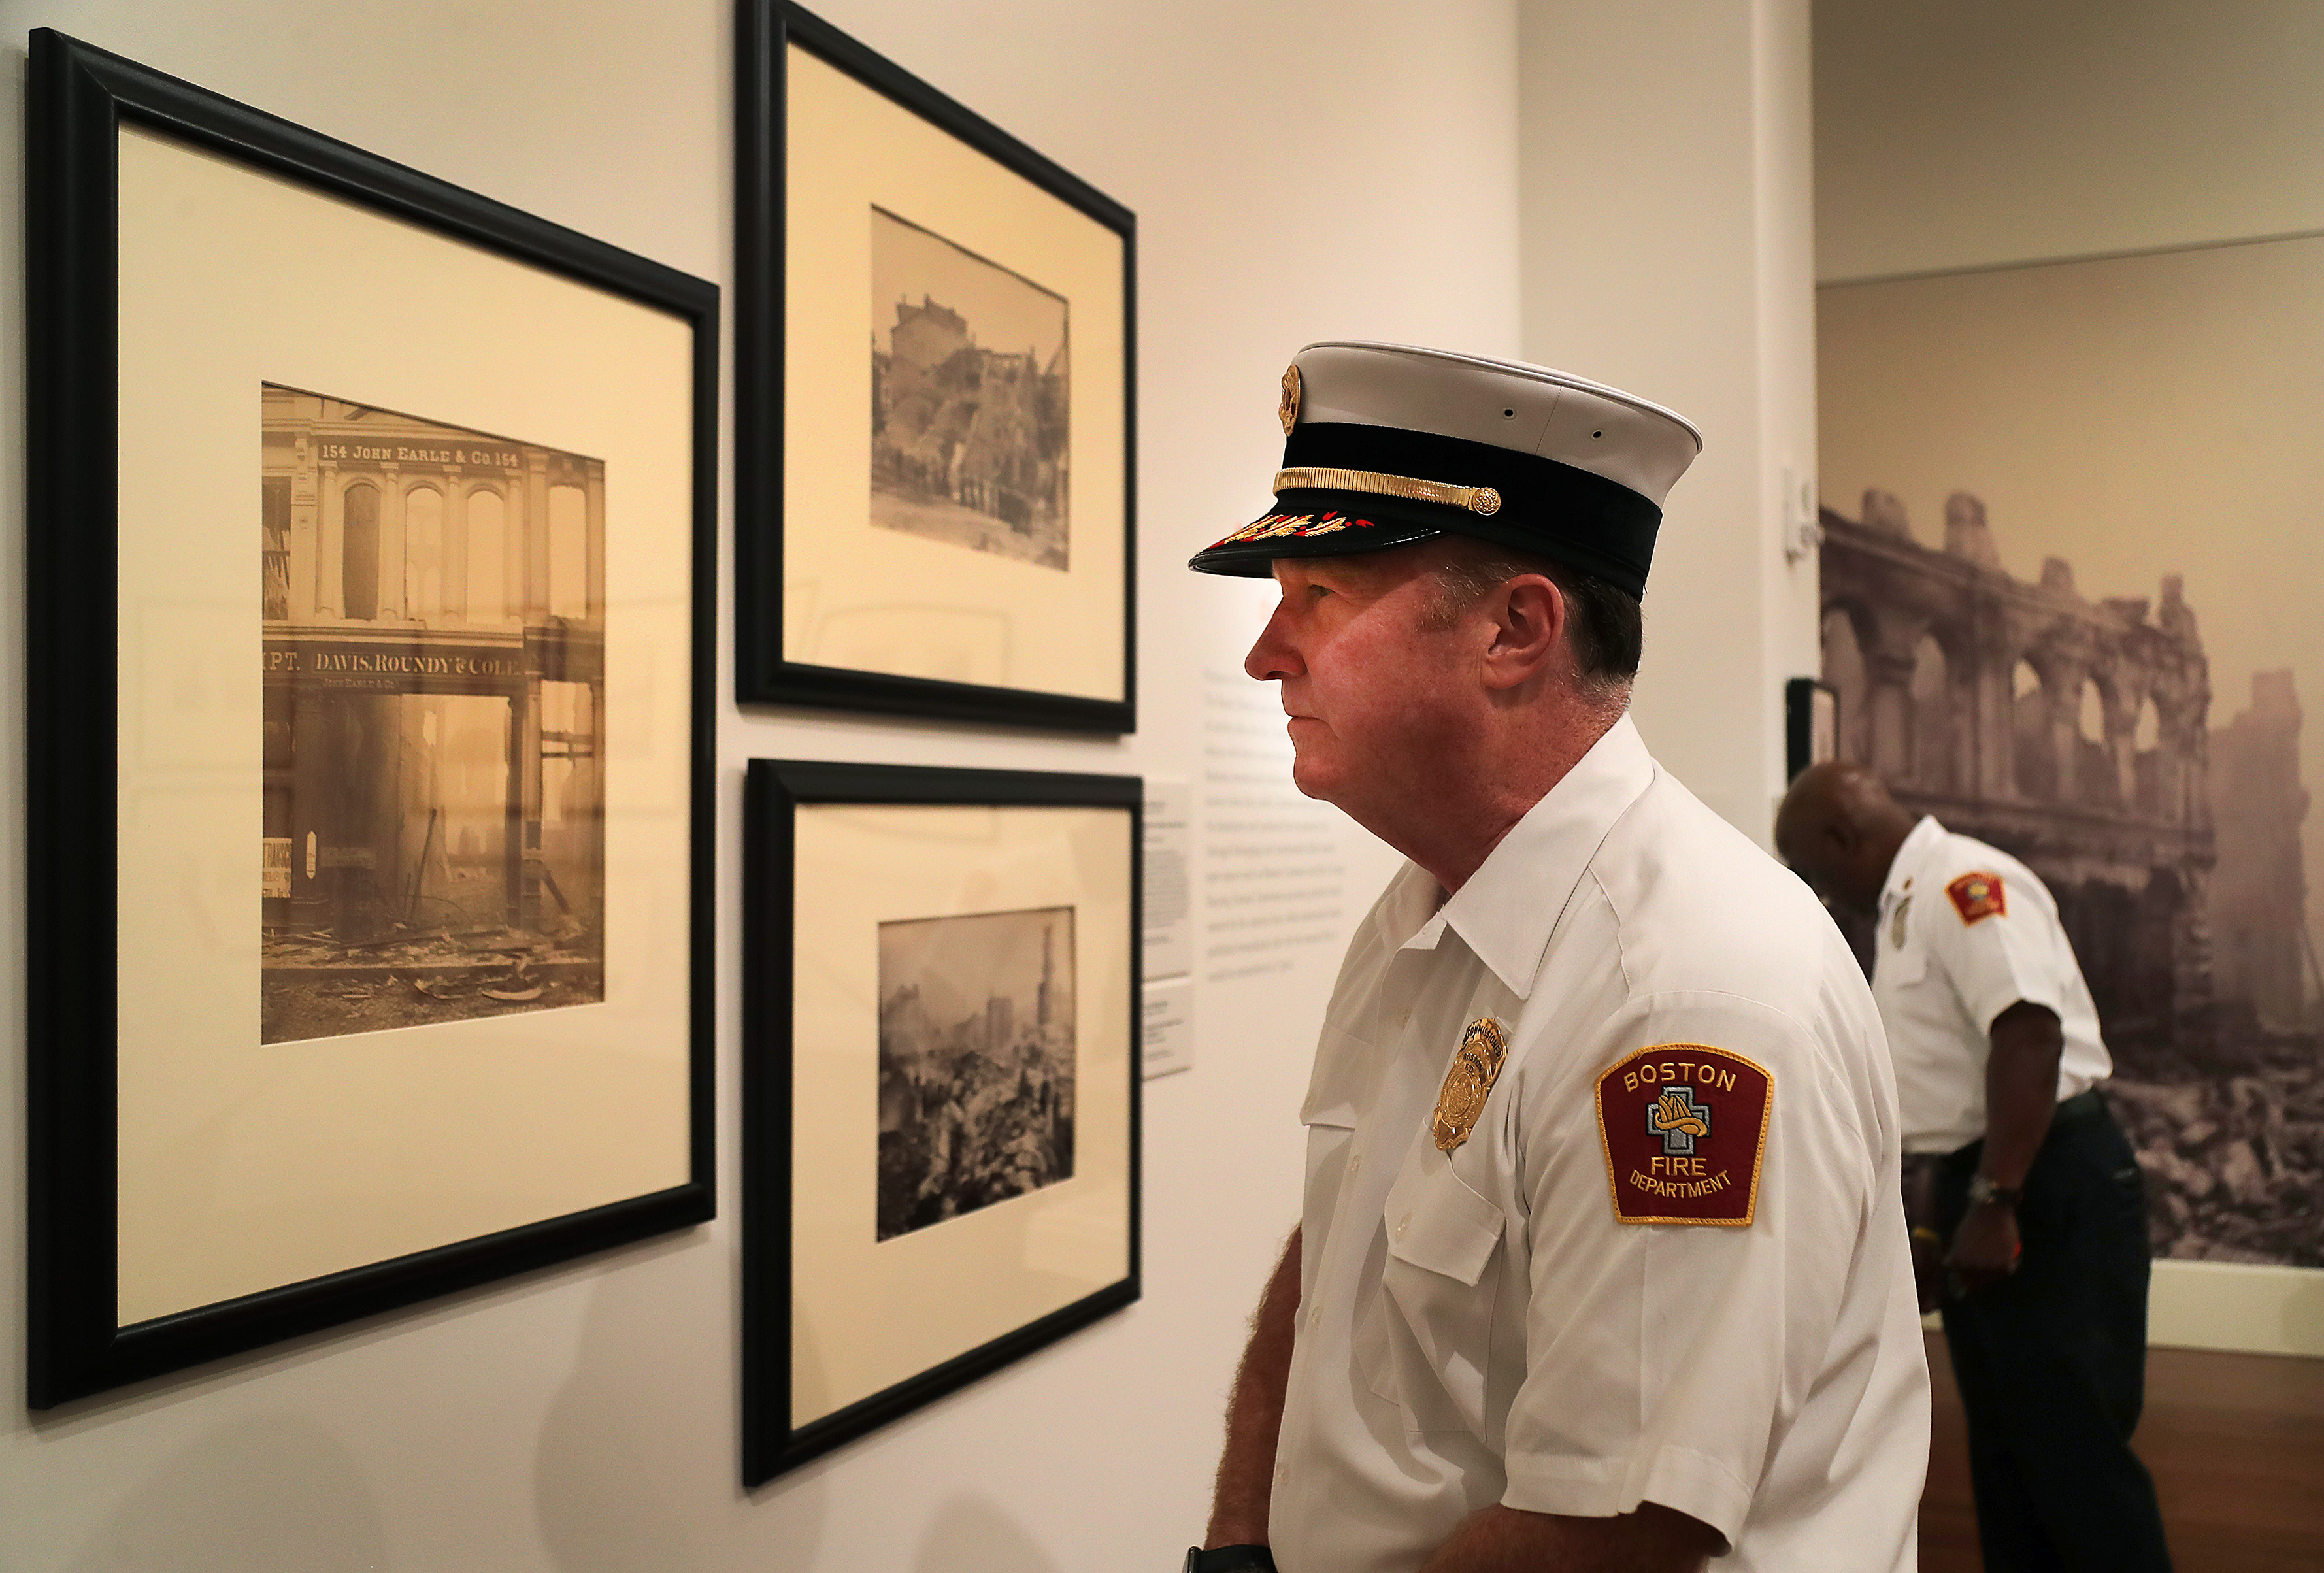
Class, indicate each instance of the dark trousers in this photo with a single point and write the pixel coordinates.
(2051, 1360)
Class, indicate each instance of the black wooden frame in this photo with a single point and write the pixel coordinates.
(761, 674)
(774, 792)
(1798, 722)
(79, 98)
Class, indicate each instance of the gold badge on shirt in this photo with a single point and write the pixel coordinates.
(1468, 1082)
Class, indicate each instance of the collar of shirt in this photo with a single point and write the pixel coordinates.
(1924, 837)
(1506, 911)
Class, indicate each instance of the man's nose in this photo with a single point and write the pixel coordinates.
(1271, 656)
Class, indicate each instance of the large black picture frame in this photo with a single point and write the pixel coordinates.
(776, 791)
(764, 675)
(82, 99)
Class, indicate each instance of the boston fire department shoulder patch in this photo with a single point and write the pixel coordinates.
(1978, 895)
(1684, 1126)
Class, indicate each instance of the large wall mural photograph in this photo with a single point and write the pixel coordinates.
(2069, 576)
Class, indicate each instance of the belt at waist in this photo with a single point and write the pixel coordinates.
(2084, 1105)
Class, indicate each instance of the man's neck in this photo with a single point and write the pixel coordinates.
(1465, 821)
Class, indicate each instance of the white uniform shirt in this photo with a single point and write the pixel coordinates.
(1480, 1327)
(1967, 932)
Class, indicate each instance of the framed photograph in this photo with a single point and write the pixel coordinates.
(933, 375)
(2037, 637)
(940, 1085)
(370, 713)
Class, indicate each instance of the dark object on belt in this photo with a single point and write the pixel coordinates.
(1921, 1183)
(1230, 1559)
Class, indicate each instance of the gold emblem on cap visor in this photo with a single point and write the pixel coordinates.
(1290, 409)
(1468, 1082)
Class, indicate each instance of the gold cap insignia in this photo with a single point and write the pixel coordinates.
(1468, 1082)
(1290, 409)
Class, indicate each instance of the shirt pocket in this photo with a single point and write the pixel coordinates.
(1894, 968)
(1425, 1343)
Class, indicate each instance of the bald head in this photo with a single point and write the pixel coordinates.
(1840, 830)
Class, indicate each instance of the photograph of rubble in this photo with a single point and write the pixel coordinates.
(433, 615)
(2096, 658)
(976, 1063)
(969, 399)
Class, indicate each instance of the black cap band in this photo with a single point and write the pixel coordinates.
(1553, 510)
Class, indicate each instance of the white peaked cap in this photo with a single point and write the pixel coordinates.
(1389, 445)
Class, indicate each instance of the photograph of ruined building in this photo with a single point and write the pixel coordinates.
(968, 407)
(432, 603)
(976, 1063)
(2068, 609)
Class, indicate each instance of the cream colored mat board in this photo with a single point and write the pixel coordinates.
(244, 1167)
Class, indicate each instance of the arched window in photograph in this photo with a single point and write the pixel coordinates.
(488, 600)
(359, 551)
(2146, 757)
(2097, 778)
(2033, 762)
(1932, 727)
(568, 553)
(423, 552)
(1843, 668)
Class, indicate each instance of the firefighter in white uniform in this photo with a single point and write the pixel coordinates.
(1601, 1262)
(2034, 1199)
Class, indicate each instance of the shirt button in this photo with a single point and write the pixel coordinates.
(1403, 1224)
(1356, 1165)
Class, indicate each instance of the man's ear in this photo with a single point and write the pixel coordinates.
(1528, 625)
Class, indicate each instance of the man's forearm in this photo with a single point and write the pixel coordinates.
(1246, 1479)
(1504, 1539)
(2021, 1090)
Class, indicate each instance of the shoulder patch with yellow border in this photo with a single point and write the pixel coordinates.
(1977, 897)
(1684, 1126)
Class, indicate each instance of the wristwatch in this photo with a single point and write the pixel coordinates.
(1983, 1189)
(1230, 1559)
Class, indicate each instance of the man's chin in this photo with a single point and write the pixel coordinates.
(1314, 778)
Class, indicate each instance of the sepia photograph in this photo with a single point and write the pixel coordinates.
(2069, 610)
(433, 612)
(969, 399)
(976, 1063)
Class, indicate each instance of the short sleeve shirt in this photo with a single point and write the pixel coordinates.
(1498, 1321)
(1966, 931)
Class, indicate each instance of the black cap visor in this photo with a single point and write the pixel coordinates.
(1314, 522)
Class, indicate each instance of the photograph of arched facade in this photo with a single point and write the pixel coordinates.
(2067, 731)
(2106, 677)
(433, 609)
(2075, 735)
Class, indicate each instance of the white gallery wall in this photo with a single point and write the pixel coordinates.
(1300, 169)
(1665, 195)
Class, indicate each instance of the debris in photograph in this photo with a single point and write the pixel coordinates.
(976, 1063)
